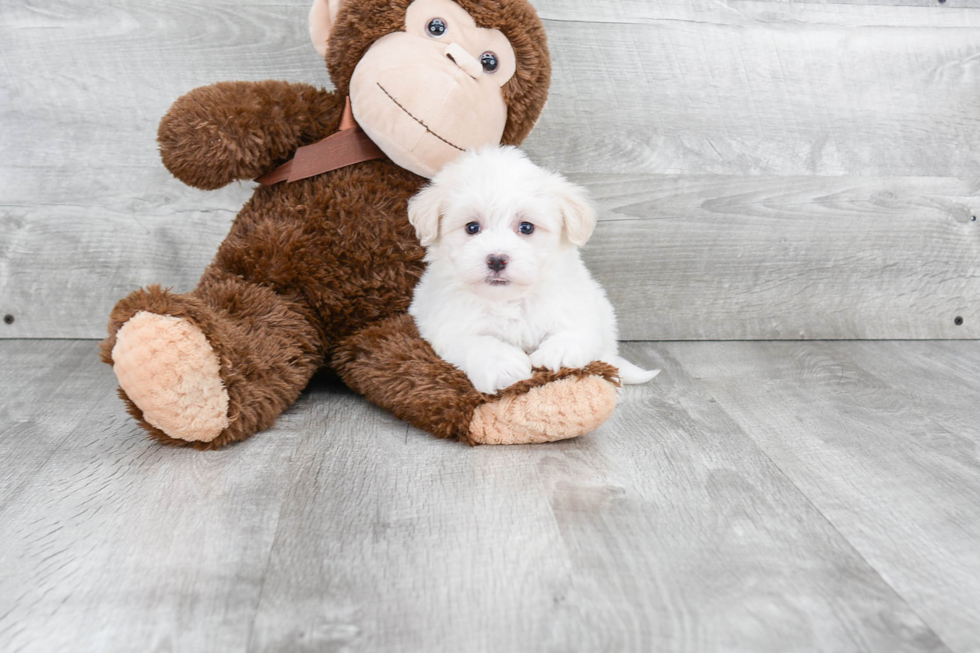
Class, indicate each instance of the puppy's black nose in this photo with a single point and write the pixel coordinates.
(496, 262)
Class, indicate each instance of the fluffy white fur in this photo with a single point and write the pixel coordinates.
(543, 308)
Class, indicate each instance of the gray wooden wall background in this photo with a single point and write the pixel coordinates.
(764, 169)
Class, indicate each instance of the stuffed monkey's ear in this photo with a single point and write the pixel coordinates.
(424, 213)
(577, 211)
(323, 13)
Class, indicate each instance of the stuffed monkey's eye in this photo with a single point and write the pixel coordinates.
(489, 61)
(526, 228)
(473, 228)
(436, 28)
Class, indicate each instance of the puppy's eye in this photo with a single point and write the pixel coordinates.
(526, 228)
(489, 62)
(436, 28)
(473, 228)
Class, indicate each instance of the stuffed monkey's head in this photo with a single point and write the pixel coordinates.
(430, 79)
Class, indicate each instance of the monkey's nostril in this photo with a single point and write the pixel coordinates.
(496, 262)
(464, 60)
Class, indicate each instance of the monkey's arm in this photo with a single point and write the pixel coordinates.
(238, 130)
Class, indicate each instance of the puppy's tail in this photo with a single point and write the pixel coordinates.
(630, 373)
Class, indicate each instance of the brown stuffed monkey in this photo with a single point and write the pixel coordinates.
(319, 271)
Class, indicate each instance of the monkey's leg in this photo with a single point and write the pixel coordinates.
(212, 366)
(394, 368)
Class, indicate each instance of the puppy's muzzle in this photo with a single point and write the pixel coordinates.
(497, 262)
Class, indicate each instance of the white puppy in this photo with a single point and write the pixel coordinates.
(505, 289)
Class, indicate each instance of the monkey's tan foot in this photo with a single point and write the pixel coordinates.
(563, 408)
(166, 367)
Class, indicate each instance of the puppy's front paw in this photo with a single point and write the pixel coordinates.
(558, 352)
(497, 369)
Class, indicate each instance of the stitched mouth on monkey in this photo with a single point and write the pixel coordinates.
(416, 119)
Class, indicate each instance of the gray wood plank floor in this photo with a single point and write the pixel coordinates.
(756, 497)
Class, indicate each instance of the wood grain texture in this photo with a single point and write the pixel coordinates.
(342, 529)
(762, 89)
(729, 258)
(111, 543)
(883, 439)
(865, 99)
(712, 257)
(59, 373)
(634, 540)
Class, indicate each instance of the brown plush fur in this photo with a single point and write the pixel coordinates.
(265, 345)
(239, 130)
(322, 270)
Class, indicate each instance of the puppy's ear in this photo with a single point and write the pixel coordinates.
(577, 211)
(424, 212)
